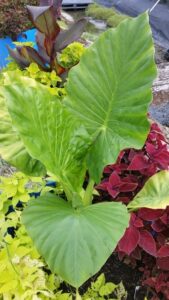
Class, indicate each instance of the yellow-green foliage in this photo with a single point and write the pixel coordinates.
(100, 290)
(71, 55)
(110, 15)
(51, 79)
(23, 273)
(20, 44)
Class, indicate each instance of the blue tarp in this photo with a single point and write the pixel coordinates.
(26, 36)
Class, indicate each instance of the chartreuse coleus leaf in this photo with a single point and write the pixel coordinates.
(48, 131)
(110, 90)
(75, 242)
(12, 148)
(154, 194)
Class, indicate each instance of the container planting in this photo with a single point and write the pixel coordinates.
(103, 112)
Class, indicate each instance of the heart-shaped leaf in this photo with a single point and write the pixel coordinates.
(75, 243)
(154, 194)
(110, 90)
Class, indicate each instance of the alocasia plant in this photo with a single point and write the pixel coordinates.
(50, 39)
(108, 93)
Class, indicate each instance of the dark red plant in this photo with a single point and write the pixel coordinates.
(50, 38)
(148, 231)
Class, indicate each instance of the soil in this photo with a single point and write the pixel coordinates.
(116, 271)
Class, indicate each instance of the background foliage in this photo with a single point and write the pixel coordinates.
(14, 17)
(109, 15)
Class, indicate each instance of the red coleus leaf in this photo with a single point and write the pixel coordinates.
(161, 239)
(122, 184)
(108, 170)
(138, 162)
(163, 160)
(103, 185)
(115, 179)
(120, 167)
(128, 187)
(158, 226)
(151, 149)
(151, 170)
(148, 214)
(136, 253)
(132, 153)
(121, 255)
(163, 263)
(113, 192)
(165, 218)
(135, 221)
(159, 154)
(131, 178)
(155, 133)
(138, 223)
(150, 282)
(129, 241)
(122, 153)
(163, 251)
(147, 242)
(124, 199)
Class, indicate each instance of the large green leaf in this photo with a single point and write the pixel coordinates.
(154, 194)
(48, 131)
(110, 90)
(12, 148)
(75, 243)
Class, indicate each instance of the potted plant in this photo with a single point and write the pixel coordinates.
(105, 108)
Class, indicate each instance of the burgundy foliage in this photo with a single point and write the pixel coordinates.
(148, 231)
(49, 37)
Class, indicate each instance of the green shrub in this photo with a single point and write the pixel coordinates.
(99, 12)
(115, 20)
(109, 15)
(13, 17)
